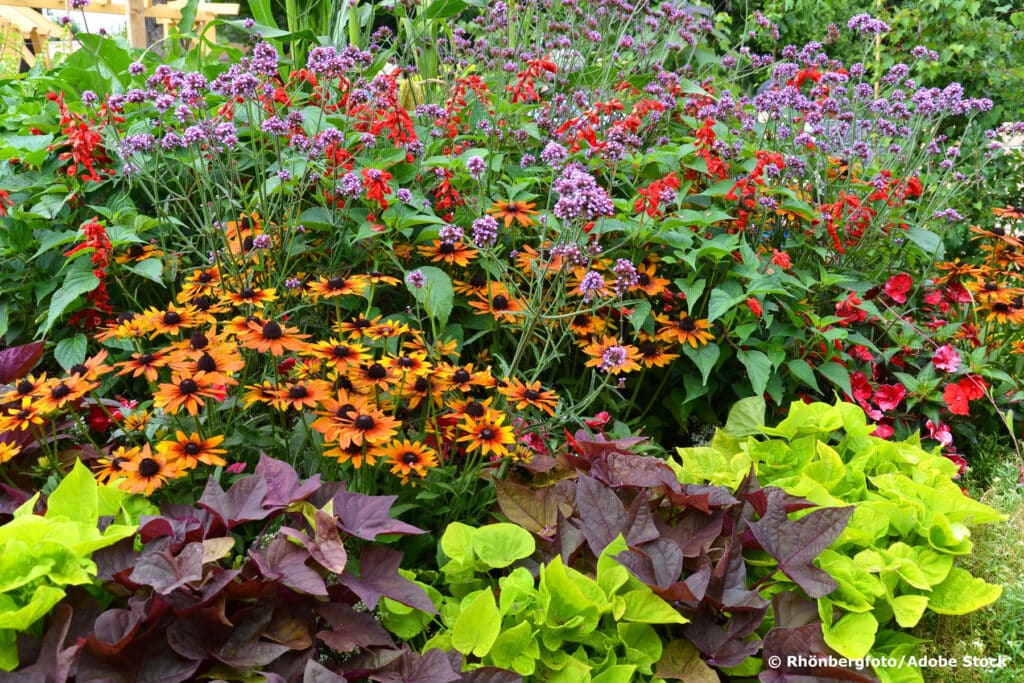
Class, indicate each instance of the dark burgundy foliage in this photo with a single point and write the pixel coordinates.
(690, 544)
(17, 361)
(292, 608)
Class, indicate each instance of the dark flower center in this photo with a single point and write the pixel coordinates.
(336, 283)
(247, 293)
(991, 286)
(188, 386)
(202, 302)
(361, 324)
(344, 410)
(475, 409)
(421, 384)
(340, 351)
(115, 464)
(204, 278)
(146, 359)
(486, 433)
(410, 458)
(198, 341)
(272, 330)
(644, 279)
(25, 387)
(60, 391)
(365, 422)
(148, 467)
(298, 391)
(1001, 307)
(647, 348)
(245, 223)
(377, 371)
(478, 280)
(531, 395)
(581, 320)
(247, 243)
(345, 383)
(406, 362)
(461, 376)
(192, 448)
(125, 316)
(171, 318)
(206, 363)
(78, 369)
(136, 250)
(687, 325)
(500, 302)
(446, 248)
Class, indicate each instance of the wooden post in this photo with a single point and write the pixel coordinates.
(134, 11)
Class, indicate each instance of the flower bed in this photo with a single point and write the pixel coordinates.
(291, 304)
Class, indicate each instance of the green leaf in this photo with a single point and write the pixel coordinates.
(759, 369)
(852, 636)
(499, 545)
(516, 649)
(908, 609)
(76, 283)
(641, 312)
(436, 295)
(478, 625)
(76, 497)
(188, 16)
(930, 243)
(645, 607)
(444, 9)
(961, 593)
(803, 372)
(839, 376)
(455, 542)
(704, 357)
(71, 351)
(746, 416)
(151, 269)
(720, 303)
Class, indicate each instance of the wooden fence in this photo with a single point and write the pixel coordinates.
(34, 27)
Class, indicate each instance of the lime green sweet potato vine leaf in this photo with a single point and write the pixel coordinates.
(41, 555)
(895, 559)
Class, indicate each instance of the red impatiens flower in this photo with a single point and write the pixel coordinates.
(897, 287)
(755, 306)
(947, 358)
(599, 420)
(940, 432)
(848, 310)
(888, 396)
(958, 396)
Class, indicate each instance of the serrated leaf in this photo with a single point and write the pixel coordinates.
(71, 351)
(704, 357)
(720, 303)
(151, 269)
(838, 375)
(76, 283)
(803, 372)
(759, 369)
(437, 296)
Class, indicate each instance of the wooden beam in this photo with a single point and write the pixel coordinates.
(136, 22)
(153, 11)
